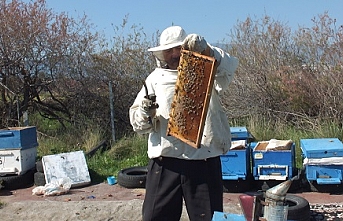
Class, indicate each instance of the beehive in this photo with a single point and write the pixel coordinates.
(192, 96)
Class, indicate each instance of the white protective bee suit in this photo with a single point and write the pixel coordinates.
(216, 138)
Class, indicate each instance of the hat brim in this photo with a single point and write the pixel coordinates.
(165, 47)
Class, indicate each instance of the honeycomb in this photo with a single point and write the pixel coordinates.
(191, 98)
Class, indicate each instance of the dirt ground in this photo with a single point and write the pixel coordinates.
(94, 202)
(104, 202)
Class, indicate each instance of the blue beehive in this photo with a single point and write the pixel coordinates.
(18, 138)
(239, 133)
(18, 150)
(276, 163)
(236, 162)
(323, 160)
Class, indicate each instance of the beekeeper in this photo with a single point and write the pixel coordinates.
(177, 171)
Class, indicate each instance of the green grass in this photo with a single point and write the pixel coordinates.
(107, 161)
(126, 152)
(132, 150)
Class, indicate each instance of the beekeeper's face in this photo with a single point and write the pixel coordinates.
(172, 57)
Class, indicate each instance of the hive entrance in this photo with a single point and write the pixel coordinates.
(192, 96)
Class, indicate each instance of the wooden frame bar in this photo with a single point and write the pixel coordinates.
(192, 96)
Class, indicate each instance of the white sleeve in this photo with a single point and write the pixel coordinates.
(225, 70)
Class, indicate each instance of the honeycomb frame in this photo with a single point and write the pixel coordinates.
(191, 99)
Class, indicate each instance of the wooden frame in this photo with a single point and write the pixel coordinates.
(192, 96)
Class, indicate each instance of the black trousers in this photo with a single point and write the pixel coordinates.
(170, 181)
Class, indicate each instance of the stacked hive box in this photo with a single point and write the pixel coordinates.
(274, 160)
(18, 150)
(236, 162)
(323, 160)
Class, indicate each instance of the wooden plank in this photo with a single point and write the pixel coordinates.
(192, 96)
(102, 145)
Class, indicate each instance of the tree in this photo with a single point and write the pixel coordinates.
(292, 76)
(39, 50)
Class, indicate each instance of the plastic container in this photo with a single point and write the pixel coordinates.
(111, 180)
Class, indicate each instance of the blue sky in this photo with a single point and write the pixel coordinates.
(211, 19)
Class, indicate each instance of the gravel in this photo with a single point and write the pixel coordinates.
(331, 211)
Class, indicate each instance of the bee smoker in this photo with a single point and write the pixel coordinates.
(152, 100)
(275, 207)
(272, 208)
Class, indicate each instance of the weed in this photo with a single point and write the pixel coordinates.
(2, 204)
(131, 150)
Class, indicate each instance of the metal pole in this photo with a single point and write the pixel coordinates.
(112, 111)
(17, 100)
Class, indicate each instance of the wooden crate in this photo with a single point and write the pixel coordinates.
(192, 96)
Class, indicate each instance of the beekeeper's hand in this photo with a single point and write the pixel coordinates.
(196, 43)
(148, 108)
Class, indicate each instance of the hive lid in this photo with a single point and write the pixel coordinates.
(72, 165)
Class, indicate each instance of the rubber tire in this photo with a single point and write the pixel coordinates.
(13, 182)
(39, 166)
(39, 179)
(298, 208)
(132, 177)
